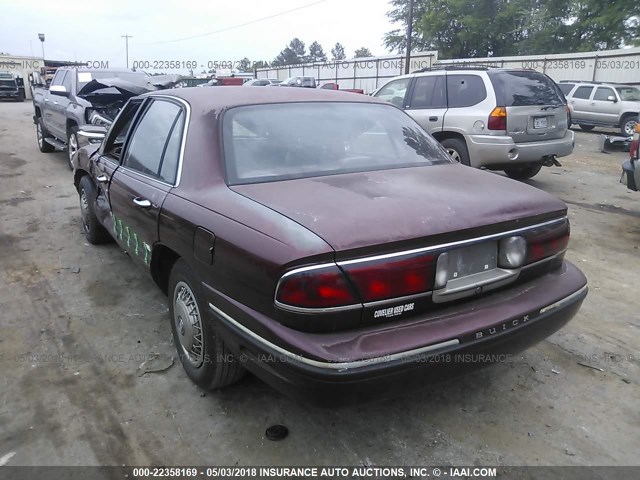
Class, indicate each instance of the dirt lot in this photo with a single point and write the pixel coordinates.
(77, 320)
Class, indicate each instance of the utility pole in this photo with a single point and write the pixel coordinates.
(126, 39)
(409, 34)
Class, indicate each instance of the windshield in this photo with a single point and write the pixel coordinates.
(264, 143)
(7, 83)
(86, 77)
(525, 88)
(629, 94)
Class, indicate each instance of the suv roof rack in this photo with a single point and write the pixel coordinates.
(474, 66)
(591, 82)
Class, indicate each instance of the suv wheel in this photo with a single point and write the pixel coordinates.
(72, 145)
(202, 352)
(628, 125)
(457, 148)
(41, 134)
(586, 128)
(523, 172)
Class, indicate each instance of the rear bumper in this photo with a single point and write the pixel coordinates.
(455, 340)
(488, 150)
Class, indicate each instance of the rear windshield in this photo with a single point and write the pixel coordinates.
(7, 82)
(524, 88)
(265, 143)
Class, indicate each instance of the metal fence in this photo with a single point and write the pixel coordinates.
(621, 66)
(364, 73)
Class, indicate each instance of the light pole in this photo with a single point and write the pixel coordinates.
(41, 37)
(409, 34)
(126, 39)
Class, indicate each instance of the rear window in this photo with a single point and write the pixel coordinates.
(525, 88)
(565, 87)
(265, 143)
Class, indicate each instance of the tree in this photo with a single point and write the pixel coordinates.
(316, 53)
(292, 54)
(261, 64)
(245, 65)
(337, 52)
(363, 52)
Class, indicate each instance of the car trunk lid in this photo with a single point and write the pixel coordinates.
(398, 208)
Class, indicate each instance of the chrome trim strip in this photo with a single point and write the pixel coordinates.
(469, 241)
(565, 300)
(82, 133)
(340, 366)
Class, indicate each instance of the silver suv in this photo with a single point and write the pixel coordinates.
(500, 119)
(597, 104)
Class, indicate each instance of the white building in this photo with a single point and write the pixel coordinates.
(21, 67)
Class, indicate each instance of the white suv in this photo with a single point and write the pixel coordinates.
(500, 119)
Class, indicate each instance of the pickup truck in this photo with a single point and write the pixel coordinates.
(335, 86)
(11, 87)
(78, 96)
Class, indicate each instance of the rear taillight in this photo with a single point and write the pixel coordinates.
(323, 287)
(389, 277)
(498, 119)
(633, 149)
(543, 248)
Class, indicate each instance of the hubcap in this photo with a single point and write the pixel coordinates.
(188, 324)
(630, 127)
(454, 154)
(84, 209)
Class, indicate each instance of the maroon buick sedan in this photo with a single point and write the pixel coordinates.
(323, 241)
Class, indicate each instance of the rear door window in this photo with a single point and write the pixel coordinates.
(465, 90)
(583, 92)
(525, 88)
(429, 92)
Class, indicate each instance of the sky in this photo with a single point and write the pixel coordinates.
(91, 31)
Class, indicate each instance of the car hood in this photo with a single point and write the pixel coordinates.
(110, 90)
(364, 209)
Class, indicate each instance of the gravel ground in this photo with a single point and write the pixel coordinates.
(78, 320)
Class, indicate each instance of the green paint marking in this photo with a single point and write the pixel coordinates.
(147, 249)
(120, 223)
(115, 225)
(128, 237)
(135, 239)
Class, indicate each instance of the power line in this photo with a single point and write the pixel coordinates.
(226, 29)
(126, 38)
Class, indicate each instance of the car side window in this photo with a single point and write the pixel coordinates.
(429, 92)
(58, 77)
(117, 134)
(582, 92)
(602, 93)
(566, 87)
(394, 91)
(171, 156)
(151, 137)
(66, 81)
(465, 90)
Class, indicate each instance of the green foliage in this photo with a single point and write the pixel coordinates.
(316, 53)
(337, 52)
(363, 52)
(480, 28)
(292, 54)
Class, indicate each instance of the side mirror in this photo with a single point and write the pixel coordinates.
(611, 98)
(60, 90)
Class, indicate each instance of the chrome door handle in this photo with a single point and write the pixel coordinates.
(142, 202)
(102, 178)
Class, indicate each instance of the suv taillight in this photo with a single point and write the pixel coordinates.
(497, 119)
(322, 287)
(389, 278)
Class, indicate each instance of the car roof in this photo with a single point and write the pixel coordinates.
(232, 96)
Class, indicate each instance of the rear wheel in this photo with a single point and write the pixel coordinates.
(457, 148)
(628, 125)
(72, 145)
(91, 226)
(586, 128)
(523, 172)
(41, 134)
(203, 354)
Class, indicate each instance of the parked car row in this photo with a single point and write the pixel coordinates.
(325, 241)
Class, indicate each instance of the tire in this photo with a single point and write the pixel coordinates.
(212, 366)
(524, 172)
(41, 134)
(628, 125)
(93, 230)
(457, 148)
(72, 145)
(586, 128)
